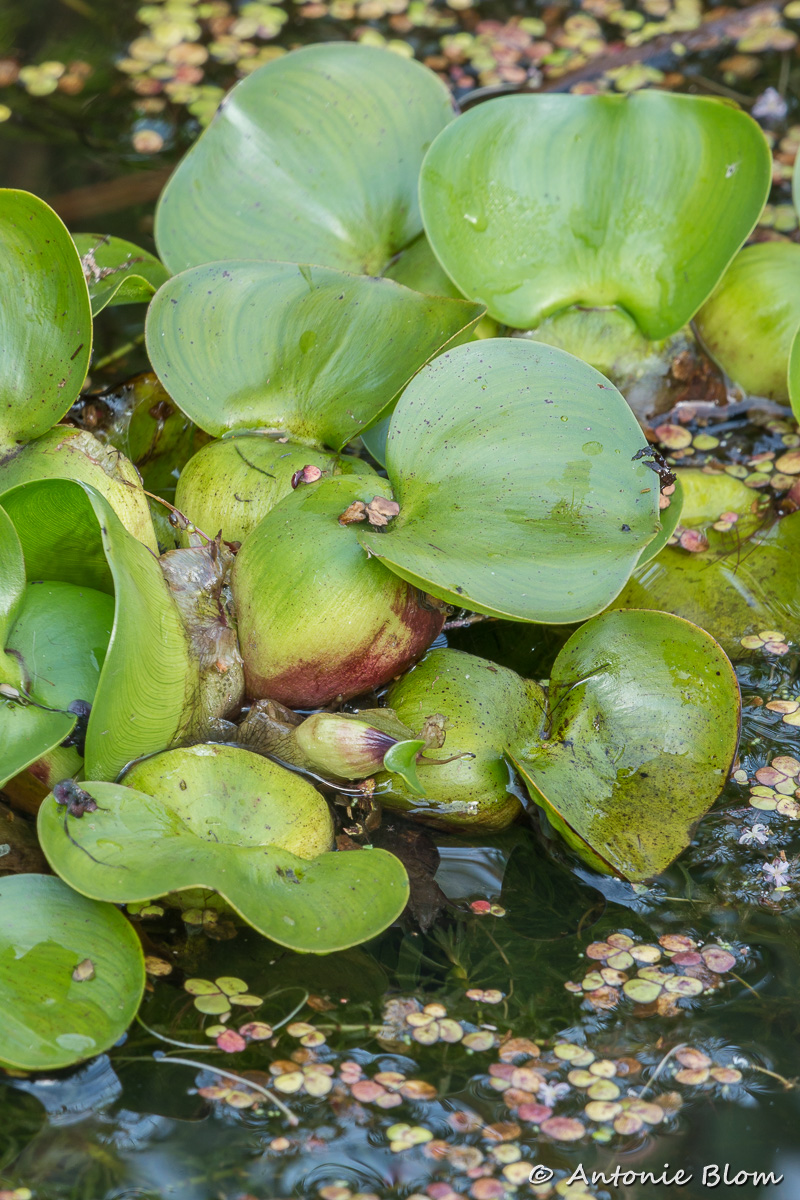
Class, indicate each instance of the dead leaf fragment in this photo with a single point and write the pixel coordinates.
(357, 511)
(381, 511)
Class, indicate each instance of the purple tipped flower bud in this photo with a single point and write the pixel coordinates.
(343, 746)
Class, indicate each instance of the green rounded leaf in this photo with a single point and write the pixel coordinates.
(60, 640)
(116, 271)
(293, 348)
(235, 827)
(28, 733)
(643, 725)
(520, 494)
(64, 453)
(535, 203)
(485, 706)
(734, 589)
(12, 591)
(51, 1019)
(231, 484)
(750, 322)
(201, 783)
(148, 684)
(45, 318)
(314, 157)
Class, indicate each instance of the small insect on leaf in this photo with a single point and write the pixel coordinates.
(83, 971)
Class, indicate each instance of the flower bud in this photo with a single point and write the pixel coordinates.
(337, 744)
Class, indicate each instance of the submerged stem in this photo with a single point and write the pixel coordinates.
(120, 352)
(249, 1083)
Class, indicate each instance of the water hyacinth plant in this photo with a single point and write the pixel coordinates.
(345, 264)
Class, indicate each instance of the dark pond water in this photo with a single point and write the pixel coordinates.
(135, 1124)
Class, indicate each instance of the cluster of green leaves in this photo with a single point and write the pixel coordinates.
(342, 255)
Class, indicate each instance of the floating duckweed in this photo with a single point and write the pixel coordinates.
(770, 640)
(688, 972)
(157, 967)
(215, 999)
(485, 995)
(673, 437)
(643, 991)
(564, 1129)
(705, 441)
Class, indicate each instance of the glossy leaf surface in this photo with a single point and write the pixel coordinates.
(514, 466)
(45, 318)
(64, 453)
(643, 728)
(535, 203)
(60, 640)
(50, 1019)
(147, 685)
(12, 587)
(314, 158)
(118, 272)
(238, 827)
(750, 322)
(292, 347)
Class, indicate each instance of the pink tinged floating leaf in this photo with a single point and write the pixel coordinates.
(718, 960)
(677, 942)
(563, 1129)
(684, 985)
(725, 1074)
(602, 1110)
(651, 1114)
(535, 1113)
(231, 1042)
(688, 1056)
(256, 1031)
(215, 1092)
(418, 1089)
(366, 1091)
(627, 1124)
(693, 1078)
